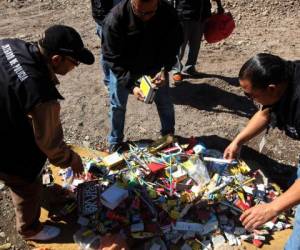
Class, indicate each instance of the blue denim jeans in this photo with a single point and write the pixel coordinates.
(103, 64)
(118, 100)
(293, 242)
(193, 31)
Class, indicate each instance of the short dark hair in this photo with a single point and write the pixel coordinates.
(264, 69)
(44, 51)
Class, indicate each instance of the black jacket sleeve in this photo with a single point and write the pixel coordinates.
(112, 37)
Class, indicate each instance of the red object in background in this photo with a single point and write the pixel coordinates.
(250, 200)
(271, 196)
(172, 150)
(156, 166)
(116, 217)
(241, 205)
(218, 27)
(257, 243)
(191, 144)
(136, 203)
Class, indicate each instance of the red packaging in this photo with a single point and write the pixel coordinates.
(116, 217)
(257, 243)
(156, 166)
(241, 205)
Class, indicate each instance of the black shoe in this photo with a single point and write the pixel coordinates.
(114, 148)
(119, 147)
(192, 72)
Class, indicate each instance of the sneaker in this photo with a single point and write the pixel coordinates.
(47, 233)
(177, 78)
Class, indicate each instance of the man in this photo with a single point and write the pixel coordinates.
(192, 15)
(31, 130)
(140, 37)
(100, 9)
(274, 83)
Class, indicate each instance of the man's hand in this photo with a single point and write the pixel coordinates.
(137, 92)
(256, 216)
(232, 151)
(159, 79)
(76, 165)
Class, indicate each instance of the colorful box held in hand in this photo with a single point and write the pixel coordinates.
(148, 89)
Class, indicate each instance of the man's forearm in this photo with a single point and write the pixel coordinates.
(254, 127)
(49, 134)
(288, 199)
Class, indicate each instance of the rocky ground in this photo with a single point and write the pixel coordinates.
(212, 107)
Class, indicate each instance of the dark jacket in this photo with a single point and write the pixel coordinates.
(132, 48)
(100, 9)
(25, 81)
(286, 113)
(192, 10)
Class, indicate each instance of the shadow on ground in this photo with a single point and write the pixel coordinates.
(55, 201)
(234, 81)
(204, 96)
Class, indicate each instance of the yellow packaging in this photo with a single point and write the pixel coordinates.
(147, 88)
(113, 160)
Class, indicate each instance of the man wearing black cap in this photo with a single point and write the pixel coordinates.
(31, 130)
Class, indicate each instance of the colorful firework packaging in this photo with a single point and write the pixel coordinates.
(166, 194)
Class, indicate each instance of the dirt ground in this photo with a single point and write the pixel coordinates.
(211, 107)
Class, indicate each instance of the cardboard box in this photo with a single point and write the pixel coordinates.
(113, 160)
(147, 88)
(113, 196)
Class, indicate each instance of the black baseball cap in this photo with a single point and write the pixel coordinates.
(65, 40)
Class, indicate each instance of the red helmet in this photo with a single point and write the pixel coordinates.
(218, 27)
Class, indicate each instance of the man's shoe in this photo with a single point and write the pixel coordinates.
(47, 233)
(177, 78)
(192, 72)
(119, 147)
(114, 148)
